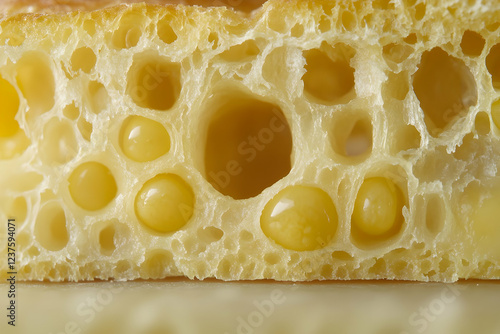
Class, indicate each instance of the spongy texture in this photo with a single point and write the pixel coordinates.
(315, 98)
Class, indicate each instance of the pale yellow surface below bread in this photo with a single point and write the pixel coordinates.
(185, 307)
(303, 141)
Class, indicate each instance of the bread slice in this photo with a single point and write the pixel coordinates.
(305, 140)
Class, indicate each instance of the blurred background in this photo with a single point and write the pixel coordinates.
(183, 306)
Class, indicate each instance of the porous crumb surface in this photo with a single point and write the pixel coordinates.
(305, 141)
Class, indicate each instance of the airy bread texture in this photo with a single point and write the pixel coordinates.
(307, 140)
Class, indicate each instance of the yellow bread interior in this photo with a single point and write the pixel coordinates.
(304, 141)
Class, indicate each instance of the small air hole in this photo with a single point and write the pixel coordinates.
(397, 53)
(50, 227)
(165, 31)
(445, 87)
(493, 65)
(482, 123)
(213, 38)
(472, 43)
(377, 214)
(495, 113)
(85, 128)
(351, 136)
(59, 144)
(420, 11)
(348, 21)
(245, 51)
(129, 32)
(98, 97)
(18, 209)
(324, 24)
(153, 82)
(272, 258)
(435, 214)
(210, 234)
(107, 240)
(83, 59)
(329, 77)
(36, 81)
(411, 38)
(297, 30)
(396, 86)
(13, 140)
(89, 27)
(276, 21)
(71, 111)
(407, 137)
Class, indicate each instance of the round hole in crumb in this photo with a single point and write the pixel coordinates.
(213, 39)
(92, 186)
(158, 264)
(71, 111)
(495, 113)
(98, 97)
(243, 52)
(13, 140)
(493, 65)
(50, 227)
(165, 31)
(83, 59)
(59, 144)
(482, 123)
(165, 203)
(130, 30)
(472, 43)
(142, 139)
(17, 209)
(351, 136)
(153, 82)
(435, 214)
(377, 214)
(300, 218)
(248, 145)
(445, 87)
(8, 109)
(329, 77)
(107, 240)
(85, 128)
(36, 81)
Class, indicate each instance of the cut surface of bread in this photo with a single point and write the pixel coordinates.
(304, 141)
